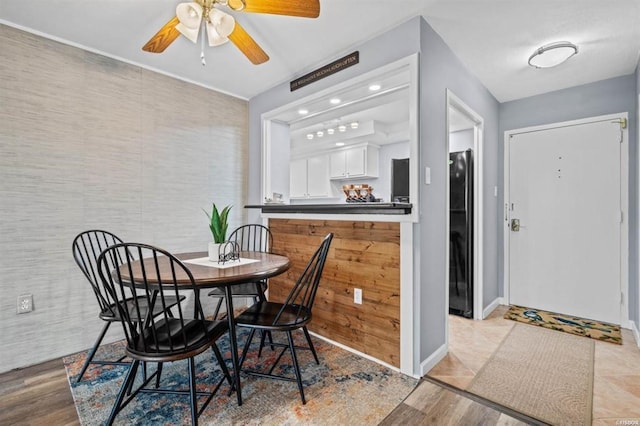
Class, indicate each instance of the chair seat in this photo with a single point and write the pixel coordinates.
(244, 289)
(263, 315)
(173, 341)
(112, 313)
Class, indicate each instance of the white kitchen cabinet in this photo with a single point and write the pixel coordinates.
(309, 177)
(361, 161)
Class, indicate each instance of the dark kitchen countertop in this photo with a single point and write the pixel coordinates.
(342, 208)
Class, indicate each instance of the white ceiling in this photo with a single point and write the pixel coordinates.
(494, 38)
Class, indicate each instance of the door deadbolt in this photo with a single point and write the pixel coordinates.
(515, 225)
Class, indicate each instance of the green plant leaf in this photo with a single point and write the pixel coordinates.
(218, 223)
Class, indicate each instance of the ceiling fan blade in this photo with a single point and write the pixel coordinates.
(163, 38)
(248, 45)
(302, 8)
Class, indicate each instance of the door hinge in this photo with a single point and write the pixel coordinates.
(621, 216)
(622, 121)
(621, 298)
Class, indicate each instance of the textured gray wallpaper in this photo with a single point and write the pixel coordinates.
(90, 142)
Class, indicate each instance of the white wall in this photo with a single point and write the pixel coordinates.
(90, 142)
(461, 140)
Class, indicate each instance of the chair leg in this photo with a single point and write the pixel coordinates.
(159, 373)
(93, 351)
(218, 306)
(223, 365)
(296, 367)
(246, 348)
(126, 385)
(313, 350)
(192, 392)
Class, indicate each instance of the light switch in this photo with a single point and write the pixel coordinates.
(427, 175)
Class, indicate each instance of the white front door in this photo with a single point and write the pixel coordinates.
(565, 197)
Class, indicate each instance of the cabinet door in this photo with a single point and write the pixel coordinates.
(337, 164)
(355, 162)
(318, 176)
(298, 179)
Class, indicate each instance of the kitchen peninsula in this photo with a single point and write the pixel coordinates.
(364, 301)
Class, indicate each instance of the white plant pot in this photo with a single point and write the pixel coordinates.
(214, 251)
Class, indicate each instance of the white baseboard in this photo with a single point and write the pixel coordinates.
(492, 306)
(353, 351)
(435, 358)
(636, 332)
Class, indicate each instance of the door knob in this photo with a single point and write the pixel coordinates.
(515, 225)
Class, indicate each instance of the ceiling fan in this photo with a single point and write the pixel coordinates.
(222, 27)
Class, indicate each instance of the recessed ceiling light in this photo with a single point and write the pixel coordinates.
(303, 111)
(374, 87)
(339, 143)
(331, 130)
(553, 54)
(309, 136)
(354, 125)
(320, 133)
(335, 101)
(342, 128)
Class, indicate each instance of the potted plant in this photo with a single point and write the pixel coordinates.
(218, 224)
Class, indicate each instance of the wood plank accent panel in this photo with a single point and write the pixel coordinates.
(363, 255)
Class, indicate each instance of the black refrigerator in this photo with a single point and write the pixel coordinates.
(461, 233)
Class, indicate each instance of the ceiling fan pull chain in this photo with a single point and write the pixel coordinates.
(202, 59)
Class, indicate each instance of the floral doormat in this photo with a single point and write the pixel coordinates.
(569, 324)
(344, 389)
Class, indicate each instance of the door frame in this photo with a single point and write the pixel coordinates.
(624, 203)
(478, 202)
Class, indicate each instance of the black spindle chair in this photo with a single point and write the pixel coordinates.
(159, 277)
(293, 314)
(86, 248)
(252, 237)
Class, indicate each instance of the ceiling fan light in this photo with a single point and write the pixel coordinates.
(342, 128)
(553, 54)
(190, 16)
(213, 37)
(222, 22)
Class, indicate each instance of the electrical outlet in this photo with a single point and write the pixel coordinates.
(25, 303)
(357, 296)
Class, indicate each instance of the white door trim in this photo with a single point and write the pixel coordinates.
(478, 203)
(624, 203)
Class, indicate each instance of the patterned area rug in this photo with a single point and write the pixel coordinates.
(540, 373)
(343, 389)
(574, 325)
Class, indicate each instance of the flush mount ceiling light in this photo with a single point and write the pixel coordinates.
(552, 54)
